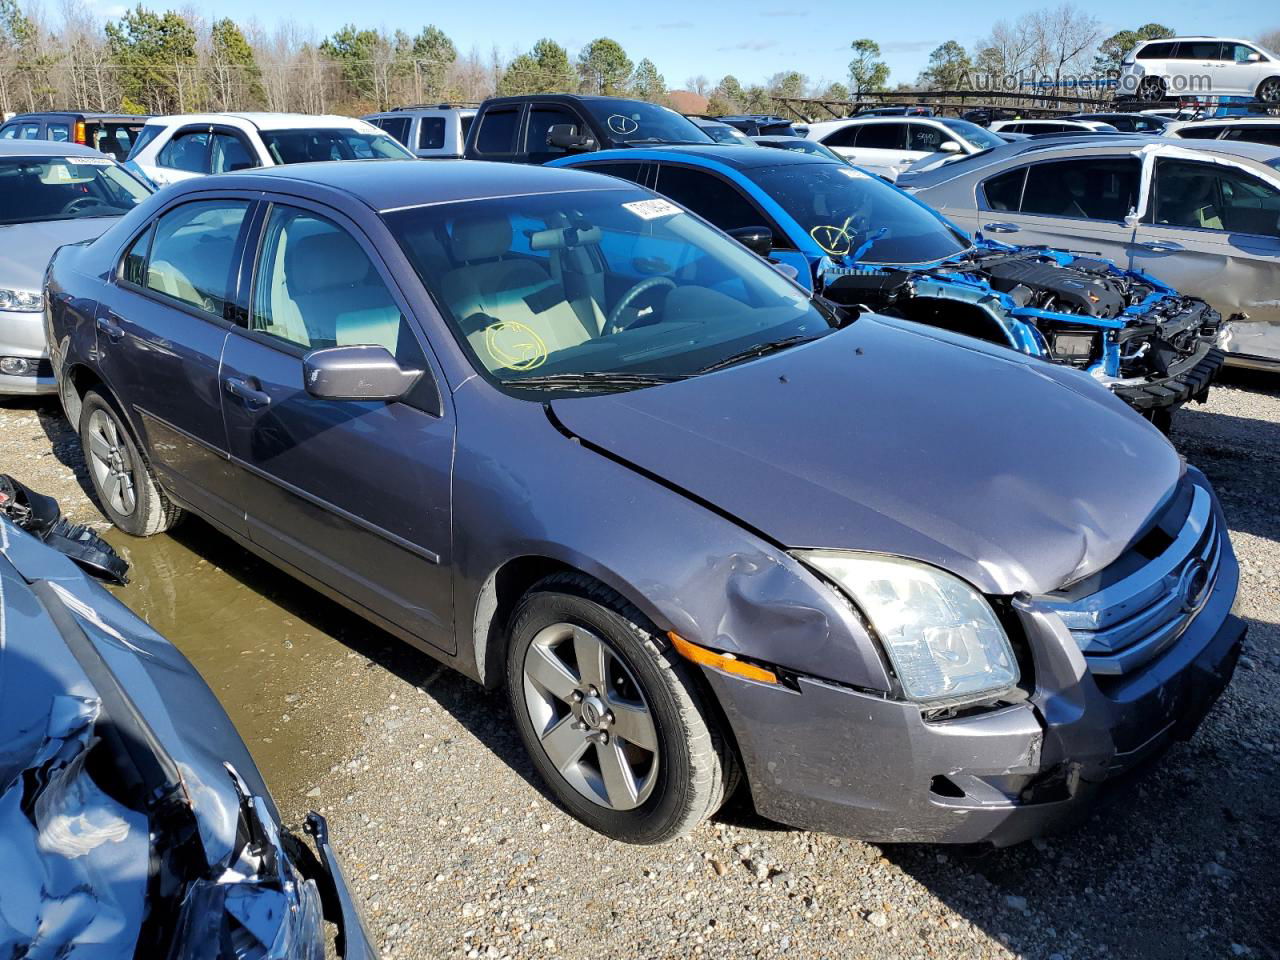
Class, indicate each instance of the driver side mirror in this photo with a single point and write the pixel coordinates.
(949, 146)
(565, 136)
(366, 372)
(756, 239)
(1254, 58)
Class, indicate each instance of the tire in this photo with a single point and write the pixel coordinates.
(122, 477)
(1269, 91)
(662, 793)
(1151, 89)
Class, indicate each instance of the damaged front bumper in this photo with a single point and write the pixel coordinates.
(828, 757)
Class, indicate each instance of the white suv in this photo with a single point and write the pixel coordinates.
(1160, 69)
(432, 133)
(888, 145)
(191, 145)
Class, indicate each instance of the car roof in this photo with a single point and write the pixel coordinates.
(140, 117)
(263, 121)
(1251, 43)
(734, 156)
(1232, 121)
(48, 148)
(396, 184)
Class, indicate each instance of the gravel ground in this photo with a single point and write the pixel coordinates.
(457, 851)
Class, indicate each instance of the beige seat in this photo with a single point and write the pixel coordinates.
(493, 290)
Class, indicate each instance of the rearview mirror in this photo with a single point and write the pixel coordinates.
(366, 372)
(565, 136)
(756, 239)
(949, 146)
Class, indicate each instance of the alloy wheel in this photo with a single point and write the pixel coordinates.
(591, 716)
(1269, 92)
(112, 467)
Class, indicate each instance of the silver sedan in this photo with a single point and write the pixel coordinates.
(51, 194)
(1202, 217)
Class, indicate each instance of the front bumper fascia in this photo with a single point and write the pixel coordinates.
(1188, 380)
(831, 758)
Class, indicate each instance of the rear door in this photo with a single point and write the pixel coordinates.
(353, 494)
(1079, 205)
(881, 147)
(160, 336)
(1213, 231)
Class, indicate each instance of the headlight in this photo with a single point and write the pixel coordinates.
(941, 635)
(21, 301)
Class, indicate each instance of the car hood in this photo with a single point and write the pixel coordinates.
(896, 438)
(27, 248)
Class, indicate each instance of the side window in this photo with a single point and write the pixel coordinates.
(58, 132)
(29, 131)
(1212, 197)
(1269, 135)
(711, 198)
(1239, 52)
(1097, 189)
(9, 132)
(498, 131)
(466, 120)
(542, 119)
(1156, 51)
(922, 136)
(186, 151)
(195, 254)
(315, 287)
(883, 136)
(230, 154)
(134, 268)
(1004, 192)
(431, 133)
(1199, 50)
(1200, 133)
(635, 172)
(398, 127)
(844, 137)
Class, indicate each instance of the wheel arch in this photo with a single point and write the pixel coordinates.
(76, 381)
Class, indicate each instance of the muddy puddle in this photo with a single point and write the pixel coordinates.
(292, 668)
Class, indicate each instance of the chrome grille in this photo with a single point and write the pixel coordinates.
(1130, 621)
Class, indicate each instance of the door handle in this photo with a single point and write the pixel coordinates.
(110, 327)
(1160, 246)
(1001, 227)
(241, 390)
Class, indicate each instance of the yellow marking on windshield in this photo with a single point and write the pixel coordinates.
(514, 345)
(837, 241)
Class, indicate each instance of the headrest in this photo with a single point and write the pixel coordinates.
(326, 261)
(482, 238)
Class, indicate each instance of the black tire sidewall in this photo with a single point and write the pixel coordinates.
(134, 522)
(653, 820)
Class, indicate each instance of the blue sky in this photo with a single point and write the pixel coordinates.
(751, 39)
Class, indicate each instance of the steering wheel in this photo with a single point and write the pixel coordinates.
(613, 324)
(83, 203)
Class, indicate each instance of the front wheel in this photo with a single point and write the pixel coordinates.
(613, 719)
(1269, 91)
(127, 489)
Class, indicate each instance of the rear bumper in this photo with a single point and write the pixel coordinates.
(1188, 379)
(842, 761)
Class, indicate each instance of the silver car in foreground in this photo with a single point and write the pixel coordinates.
(50, 194)
(1203, 217)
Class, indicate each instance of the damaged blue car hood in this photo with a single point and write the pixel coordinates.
(897, 438)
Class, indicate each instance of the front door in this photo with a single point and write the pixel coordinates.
(160, 337)
(354, 494)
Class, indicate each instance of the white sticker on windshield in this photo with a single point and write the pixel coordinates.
(90, 161)
(622, 126)
(652, 209)
(853, 174)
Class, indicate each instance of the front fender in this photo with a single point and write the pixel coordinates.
(525, 489)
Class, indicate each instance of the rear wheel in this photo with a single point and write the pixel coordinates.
(122, 478)
(613, 719)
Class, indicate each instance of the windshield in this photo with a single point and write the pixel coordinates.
(306, 146)
(849, 213)
(65, 188)
(595, 283)
(634, 121)
(976, 135)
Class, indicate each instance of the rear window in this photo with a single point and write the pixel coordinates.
(1156, 51)
(498, 131)
(149, 132)
(398, 127)
(431, 133)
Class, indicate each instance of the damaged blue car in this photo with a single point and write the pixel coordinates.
(133, 822)
(857, 240)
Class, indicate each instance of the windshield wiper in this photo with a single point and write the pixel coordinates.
(759, 350)
(592, 380)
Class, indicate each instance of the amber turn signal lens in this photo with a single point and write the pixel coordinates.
(724, 662)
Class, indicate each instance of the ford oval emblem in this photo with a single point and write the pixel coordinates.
(1193, 586)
